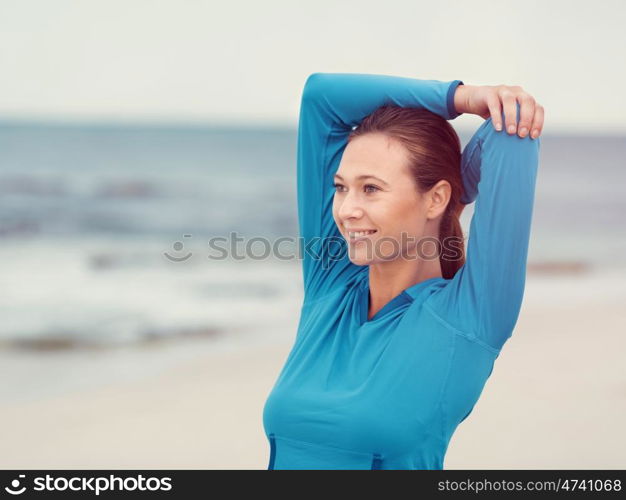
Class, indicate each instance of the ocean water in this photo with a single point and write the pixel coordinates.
(92, 218)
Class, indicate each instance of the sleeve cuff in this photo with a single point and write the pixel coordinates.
(452, 112)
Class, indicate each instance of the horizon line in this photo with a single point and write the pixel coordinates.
(251, 124)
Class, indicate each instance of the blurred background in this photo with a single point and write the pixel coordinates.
(133, 132)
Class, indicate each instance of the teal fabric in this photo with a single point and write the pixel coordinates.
(389, 392)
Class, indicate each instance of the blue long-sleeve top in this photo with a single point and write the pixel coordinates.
(389, 392)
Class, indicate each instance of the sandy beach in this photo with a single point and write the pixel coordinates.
(556, 398)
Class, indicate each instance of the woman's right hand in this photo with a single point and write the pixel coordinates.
(487, 101)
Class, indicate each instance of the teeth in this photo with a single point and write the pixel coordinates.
(360, 233)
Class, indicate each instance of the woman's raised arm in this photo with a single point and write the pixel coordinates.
(484, 298)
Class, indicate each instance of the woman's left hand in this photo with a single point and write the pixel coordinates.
(487, 101)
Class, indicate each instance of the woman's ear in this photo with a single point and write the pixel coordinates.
(438, 198)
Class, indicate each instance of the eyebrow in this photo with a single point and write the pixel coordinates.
(365, 177)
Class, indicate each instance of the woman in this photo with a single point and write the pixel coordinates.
(398, 332)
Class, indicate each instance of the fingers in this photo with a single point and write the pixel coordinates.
(527, 111)
(537, 125)
(495, 111)
(509, 104)
(505, 98)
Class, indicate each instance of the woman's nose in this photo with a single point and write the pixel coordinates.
(349, 208)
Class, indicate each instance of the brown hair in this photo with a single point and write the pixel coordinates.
(435, 154)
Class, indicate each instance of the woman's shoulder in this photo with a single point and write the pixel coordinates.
(423, 290)
(340, 290)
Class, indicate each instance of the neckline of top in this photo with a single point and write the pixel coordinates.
(406, 296)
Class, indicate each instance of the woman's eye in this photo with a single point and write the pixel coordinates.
(339, 187)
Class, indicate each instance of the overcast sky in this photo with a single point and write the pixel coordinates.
(242, 62)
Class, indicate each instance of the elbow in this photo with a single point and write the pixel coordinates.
(522, 145)
(314, 85)
(523, 149)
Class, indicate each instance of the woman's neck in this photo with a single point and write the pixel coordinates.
(387, 280)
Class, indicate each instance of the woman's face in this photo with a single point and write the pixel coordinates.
(375, 191)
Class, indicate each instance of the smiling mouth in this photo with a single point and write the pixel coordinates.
(357, 235)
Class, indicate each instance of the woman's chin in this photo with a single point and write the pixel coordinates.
(360, 261)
